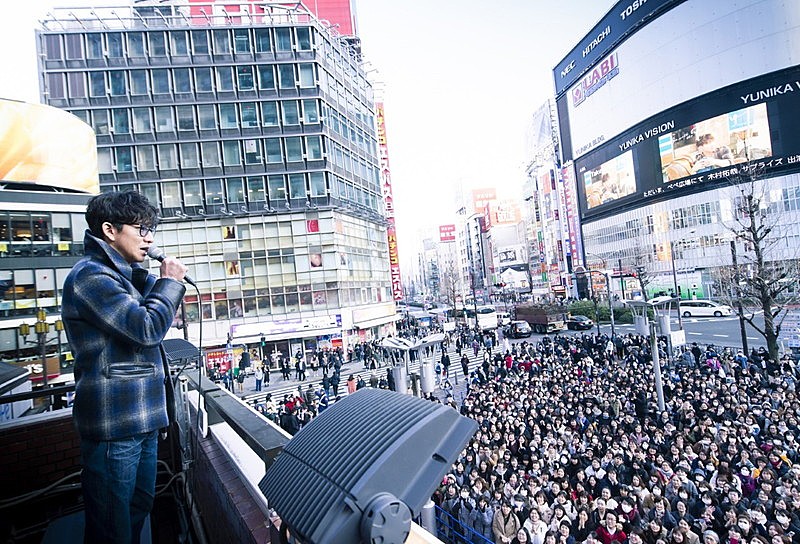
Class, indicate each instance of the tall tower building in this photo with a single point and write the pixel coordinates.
(252, 127)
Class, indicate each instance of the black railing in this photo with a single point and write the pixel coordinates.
(452, 531)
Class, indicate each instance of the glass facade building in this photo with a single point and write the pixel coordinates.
(253, 131)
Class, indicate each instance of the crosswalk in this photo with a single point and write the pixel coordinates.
(279, 387)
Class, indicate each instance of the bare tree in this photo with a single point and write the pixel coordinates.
(449, 282)
(640, 268)
(767, 269)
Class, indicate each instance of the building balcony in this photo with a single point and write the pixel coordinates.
(209, 471)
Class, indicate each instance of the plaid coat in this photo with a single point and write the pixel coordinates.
(115, 332)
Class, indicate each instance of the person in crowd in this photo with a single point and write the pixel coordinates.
(116, 316)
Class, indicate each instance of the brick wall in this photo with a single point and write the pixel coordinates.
(36, 451)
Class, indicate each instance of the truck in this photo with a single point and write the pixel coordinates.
(543, 318)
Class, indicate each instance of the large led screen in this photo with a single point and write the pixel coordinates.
(696, 146)
(693, 48)
(609, 181)
(724, 140)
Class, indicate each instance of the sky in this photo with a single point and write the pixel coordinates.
(460, 80)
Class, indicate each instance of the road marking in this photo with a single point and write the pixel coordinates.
(720, 335)
(696, 333)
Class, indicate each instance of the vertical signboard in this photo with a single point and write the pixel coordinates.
(388, 198)
(571, 205)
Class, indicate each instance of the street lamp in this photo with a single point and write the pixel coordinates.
(42, 328)
(739, 309)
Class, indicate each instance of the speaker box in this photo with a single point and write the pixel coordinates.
(365, 467)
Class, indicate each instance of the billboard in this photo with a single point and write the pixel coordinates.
(447, 233)
(42, 145)
(620, 21)
(696, 146)
(388, 198)
(658, 67)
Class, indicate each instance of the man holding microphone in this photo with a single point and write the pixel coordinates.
(116, 315)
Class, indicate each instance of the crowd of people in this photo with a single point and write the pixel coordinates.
(572, 447)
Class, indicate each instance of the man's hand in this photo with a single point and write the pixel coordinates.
(173, 268)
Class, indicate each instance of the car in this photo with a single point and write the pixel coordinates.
(518, 329)
(579, 322)
(704, 308)
(660, 300)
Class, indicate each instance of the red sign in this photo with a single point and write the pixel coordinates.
(386, 185)
(222, 359)
(447, 233)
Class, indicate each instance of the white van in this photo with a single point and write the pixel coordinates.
(704, 308)
(503, 319)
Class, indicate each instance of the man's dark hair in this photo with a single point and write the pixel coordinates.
(120, 208)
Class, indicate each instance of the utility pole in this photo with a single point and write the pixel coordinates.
(656, 367)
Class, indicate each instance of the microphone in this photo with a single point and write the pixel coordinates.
(155, 252)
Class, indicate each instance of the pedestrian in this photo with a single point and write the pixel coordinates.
(240, 380)
(351, 384)
(465, 364)
(259, 376)
(116, 315)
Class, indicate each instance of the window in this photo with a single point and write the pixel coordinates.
(269, 114)
(286, 76)
(214, 194)
(145, 158)
(74, 46)
(180, 43)
(158, 44)
(306, 75)
(227, 116)
(138, 81)
(266, 77)
(100, 121)
(210, 153)
(104, 161)
(244, 75)
(150, 190)
(164, 121)
(222, 42)
(121, 121)
(317, 182)
(206, 117)
(273, 150)
(167, 157)
(277, 191)
(249, 115)
(310, 111)
(183, 80)
(241, 40)
(203, 80)
(251, 152)
(117, 79)
(303, 38)
(189, 157)
(230, 153)
(185, 117)
(297, 186)
(135, 44)
(199, 42)
(255, 189)
(291, 115)
(235, 190)
(161, 81)
(94, 46)
(262, 40)
(171, 194)
(314, 147)
(55, 85)
(77, 85)
(52, 44)
(192, 193)
(141, 120)
(225, 78)
(114, 41)
(294, 149)
(283, 39)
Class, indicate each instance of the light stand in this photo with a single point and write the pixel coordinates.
(42, 328)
